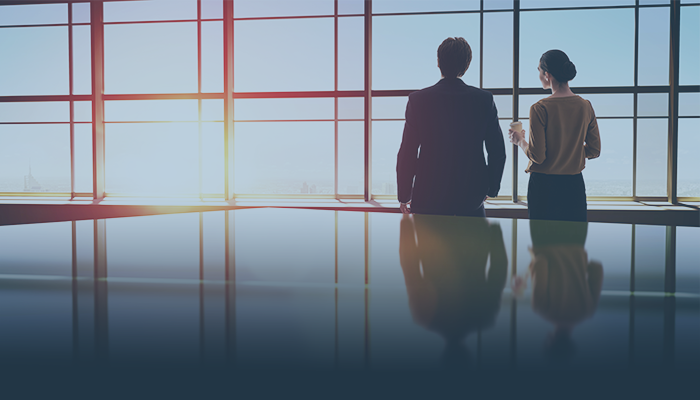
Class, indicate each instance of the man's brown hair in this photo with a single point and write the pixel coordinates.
(454, 57)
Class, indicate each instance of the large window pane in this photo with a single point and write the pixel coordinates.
(151, 10)
(213, 165)
(611, 173)
(389, 107)
(393, 6)
(498, 5)
(351, 7)
(82, 63)
(507, 180)
(652, 104)
(504, 106)
(690, 46)
(81, 13)
(573, 3)
(386, 140)
(538, 35)
(284, 157)
(281, 8)
(498, 50)
(689, 104)
(35, 158)
(611, 105)
(212, 110)
(82, 111)
(351, 156)
(652, 156)
(305, 45)
(212, 9)
(351, 107)
(404, 57)
(654, 28)
(151, 58)
(153, 159)
(151, 110)
(688, 161)
(34, 14)
(351, 53)
(213, 57)
(45, 111)
(34, 61)
(83, 158)
(284, 109)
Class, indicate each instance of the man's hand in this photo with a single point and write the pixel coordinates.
(405, 208)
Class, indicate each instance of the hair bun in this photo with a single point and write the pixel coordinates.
(569, 70)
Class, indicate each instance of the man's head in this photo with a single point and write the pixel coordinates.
(454, 57)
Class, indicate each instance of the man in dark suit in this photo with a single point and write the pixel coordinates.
(441, 167)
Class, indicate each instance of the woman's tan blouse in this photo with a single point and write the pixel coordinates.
(563, 134)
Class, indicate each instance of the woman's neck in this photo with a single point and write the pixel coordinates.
(561, 90)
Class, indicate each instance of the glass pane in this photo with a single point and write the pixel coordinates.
(573, 3)
(611, 173)
(351, 156)
(507, 180)
(393, 6)
(284, 157)
(498, 5)
(411, 62)
(536, 38)
(351, 53)
(212, 9)
(81, 13)
(34, 14)
(687, 256)
(283, 109)
(45, 111)
(652, 104)
(157, 246)
(305, 45)
(151, 110)
(213, 158)
(652, 156)
(156, 159)
(611, 105)
(351, 7)
(151, 10)
(82, 111)
(498, 50)
(281, 8)
(386, 140)
(36, 249)
(389, 107)
(688, 161)
(82, 63)
(35, 158)
(83, 158)
(504, 105)
(690, 46)
(34, 61)
(351, 107)
(351, 249)
(212, 110)
(304, 247)
(526, 101)
(212, 57)
(689, 104)
(151, 58)
(649, 258)
(654, 28)
(651, 2)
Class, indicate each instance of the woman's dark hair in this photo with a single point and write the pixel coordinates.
(454, 56)
(557, 63)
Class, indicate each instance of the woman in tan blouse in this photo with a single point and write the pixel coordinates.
(563, 134)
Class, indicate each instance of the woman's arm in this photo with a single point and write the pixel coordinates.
(592, 145)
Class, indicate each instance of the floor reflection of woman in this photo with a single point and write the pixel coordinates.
(566, 286)
(450, 292)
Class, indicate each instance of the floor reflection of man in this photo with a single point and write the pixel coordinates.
(450, 289)
(566, 286)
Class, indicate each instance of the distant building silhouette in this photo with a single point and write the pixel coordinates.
(304, 188)
(31, 184)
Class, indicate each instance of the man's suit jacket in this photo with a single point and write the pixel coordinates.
(446, 127)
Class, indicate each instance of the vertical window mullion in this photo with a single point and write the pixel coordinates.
(335, 88)
(516, 89)
(635, 100)
(71, 102)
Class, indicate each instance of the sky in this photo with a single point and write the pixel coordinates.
(298, 55)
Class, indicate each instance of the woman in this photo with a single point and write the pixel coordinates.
(563, 134)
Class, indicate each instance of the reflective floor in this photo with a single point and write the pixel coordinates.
(341, 292)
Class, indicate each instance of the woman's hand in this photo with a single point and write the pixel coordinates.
(516, 137)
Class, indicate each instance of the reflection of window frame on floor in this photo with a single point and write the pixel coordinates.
(366, 93)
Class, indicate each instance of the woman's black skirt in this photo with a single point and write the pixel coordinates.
(556, 197)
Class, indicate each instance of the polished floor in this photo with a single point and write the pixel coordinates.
(343, 293)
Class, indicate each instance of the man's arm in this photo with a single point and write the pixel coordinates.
(407, 159)
(496, 149)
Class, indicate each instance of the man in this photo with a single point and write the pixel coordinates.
(441, 167)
